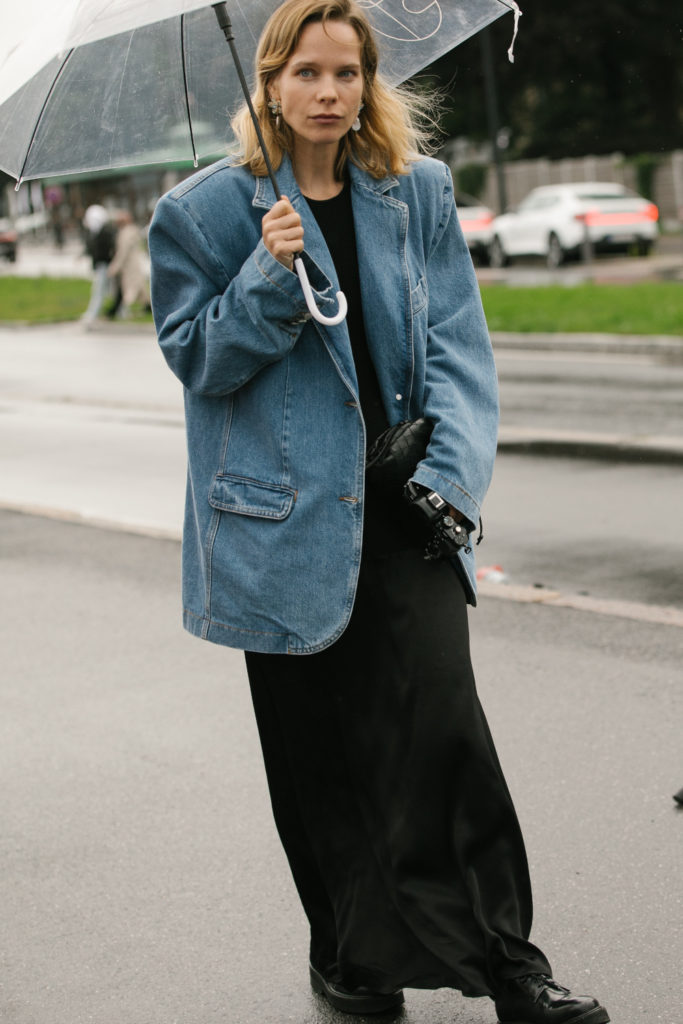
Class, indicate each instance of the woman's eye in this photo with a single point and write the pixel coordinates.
(348, 73)
(306, 73)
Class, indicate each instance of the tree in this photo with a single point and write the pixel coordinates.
(588, 78)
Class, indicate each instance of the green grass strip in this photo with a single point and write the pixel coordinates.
(37, 300)
(643, 308)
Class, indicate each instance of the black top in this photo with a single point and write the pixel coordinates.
(389, 524)
(335, 220)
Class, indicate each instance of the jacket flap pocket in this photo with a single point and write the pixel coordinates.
(251, 497)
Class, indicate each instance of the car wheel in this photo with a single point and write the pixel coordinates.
(643, 246)
(555, 255)
(498, 258)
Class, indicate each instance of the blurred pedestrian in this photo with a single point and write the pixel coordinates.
(57, 221)
(54, 202)
(385, 784)
(100, 237)
(129, 267)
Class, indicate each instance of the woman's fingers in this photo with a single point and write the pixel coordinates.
(283, 234)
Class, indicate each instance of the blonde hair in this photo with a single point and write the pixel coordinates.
(396, 123)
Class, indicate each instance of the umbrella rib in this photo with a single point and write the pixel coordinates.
(187, 95)
(40, 118)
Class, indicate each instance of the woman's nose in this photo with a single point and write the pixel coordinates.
(327, 89)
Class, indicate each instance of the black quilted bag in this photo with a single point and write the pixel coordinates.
(393, 456)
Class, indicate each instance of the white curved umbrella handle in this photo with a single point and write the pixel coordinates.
(310, 298)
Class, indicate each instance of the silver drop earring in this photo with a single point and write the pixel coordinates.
(355, 127)
(275, 107)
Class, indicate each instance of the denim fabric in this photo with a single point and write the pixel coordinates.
(276, 441)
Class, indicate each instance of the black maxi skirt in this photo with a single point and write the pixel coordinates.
(386, 788)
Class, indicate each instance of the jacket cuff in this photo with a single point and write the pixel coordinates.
(287, 282)
(449, 491)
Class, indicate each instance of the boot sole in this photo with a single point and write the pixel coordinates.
(351, 1003)
(598, 1015)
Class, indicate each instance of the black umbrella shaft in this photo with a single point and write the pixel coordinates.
(224, 24)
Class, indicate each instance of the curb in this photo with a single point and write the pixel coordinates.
(664, 615)
(668, 346)
(155, 531)
(604, 447)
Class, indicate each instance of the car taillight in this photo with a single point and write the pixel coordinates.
(596, 216)
(473, 224)
(586, 217)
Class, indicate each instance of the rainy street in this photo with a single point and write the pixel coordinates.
(211, 156)
(143, 878)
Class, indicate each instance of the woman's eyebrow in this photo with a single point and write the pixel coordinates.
(301, 63)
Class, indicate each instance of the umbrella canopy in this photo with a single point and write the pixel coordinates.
(88, 85)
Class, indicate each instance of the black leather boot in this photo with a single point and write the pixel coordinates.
(538, 999)
(357, 1000)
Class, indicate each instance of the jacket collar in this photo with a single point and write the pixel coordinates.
(364, 180)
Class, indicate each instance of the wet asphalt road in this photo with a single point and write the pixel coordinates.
(142, 880)
(611, 530)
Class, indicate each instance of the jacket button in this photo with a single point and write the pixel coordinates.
(399, 398)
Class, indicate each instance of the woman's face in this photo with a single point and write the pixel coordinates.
(321, 85)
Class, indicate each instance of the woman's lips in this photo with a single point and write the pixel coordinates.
(326, 118)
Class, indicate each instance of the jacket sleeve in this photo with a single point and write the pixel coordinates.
(461, 387)
(215, 331)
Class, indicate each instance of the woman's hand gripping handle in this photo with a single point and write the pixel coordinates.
(283, 237)
(283, 233)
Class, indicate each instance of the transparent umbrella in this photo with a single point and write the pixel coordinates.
(119, 83)
(88, 85)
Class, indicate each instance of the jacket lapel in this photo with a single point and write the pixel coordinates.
(381, 222)
(316, 249)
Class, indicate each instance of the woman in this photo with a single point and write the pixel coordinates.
(128, 266)
(386, 789)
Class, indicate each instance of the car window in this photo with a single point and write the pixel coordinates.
(617, 194)
(542, 202)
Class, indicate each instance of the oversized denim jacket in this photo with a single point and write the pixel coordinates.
(276, 440)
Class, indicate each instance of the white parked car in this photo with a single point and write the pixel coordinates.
(476, 221)
(556, 221)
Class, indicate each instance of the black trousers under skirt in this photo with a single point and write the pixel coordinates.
(388, 794)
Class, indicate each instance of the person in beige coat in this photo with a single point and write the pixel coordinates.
(130, 264)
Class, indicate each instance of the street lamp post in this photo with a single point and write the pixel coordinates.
(492, 115)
